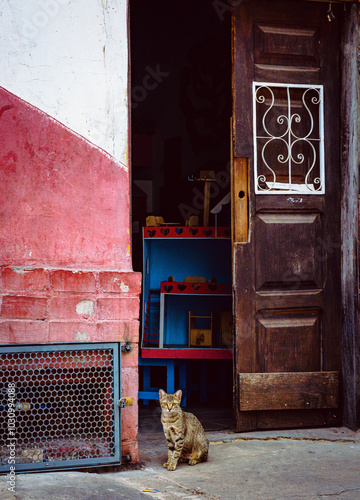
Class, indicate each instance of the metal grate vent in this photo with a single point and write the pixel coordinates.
(57, 406)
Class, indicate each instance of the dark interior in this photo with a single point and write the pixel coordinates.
(180, 114)
(181, 108)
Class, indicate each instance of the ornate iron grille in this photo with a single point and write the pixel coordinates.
(58, 406)
(288, 139)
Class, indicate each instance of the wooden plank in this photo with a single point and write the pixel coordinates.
(350, 219)
(288, 391)
(331, 341)
(240, 200)
(243, 256)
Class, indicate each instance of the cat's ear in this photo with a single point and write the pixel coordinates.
(178, 394)
(162, 393)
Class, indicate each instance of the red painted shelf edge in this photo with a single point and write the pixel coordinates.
(203, 232)
(201, 288)
(185, 353)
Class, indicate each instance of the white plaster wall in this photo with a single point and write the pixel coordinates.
(70, 59)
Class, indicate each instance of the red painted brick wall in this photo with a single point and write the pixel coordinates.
(64, 202)
(65, 263)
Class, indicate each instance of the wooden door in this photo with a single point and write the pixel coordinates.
(286, 214)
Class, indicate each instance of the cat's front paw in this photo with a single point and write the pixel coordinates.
(171, 467)
(166, 465)
(193, 462)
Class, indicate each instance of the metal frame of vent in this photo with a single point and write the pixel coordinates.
(285, 134)
(59, 406)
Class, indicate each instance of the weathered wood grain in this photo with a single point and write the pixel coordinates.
(350, 218)
(287, 305)
(288, 391)
(240, 200)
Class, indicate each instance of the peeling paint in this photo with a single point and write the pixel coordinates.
(21, 270)
(71, 104)
(295, 200)
(82, 337)
(85, 307)
(123, 286)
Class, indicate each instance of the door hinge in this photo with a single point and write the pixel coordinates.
(125, 402)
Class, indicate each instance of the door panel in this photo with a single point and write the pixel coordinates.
(284, 234)
(284, 46)
(287, 271)
(288, 341)
(281, 48)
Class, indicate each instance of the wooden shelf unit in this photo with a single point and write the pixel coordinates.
(172, 254)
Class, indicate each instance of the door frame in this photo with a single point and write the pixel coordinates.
(350, 217)
(349, 209)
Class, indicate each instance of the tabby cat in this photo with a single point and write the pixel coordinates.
(185, 436)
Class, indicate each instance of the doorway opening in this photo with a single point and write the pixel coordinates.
(180, 120)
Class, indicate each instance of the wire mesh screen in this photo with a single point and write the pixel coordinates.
(58, 406)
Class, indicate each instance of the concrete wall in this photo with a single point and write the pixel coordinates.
(65, 257)
(65, 202)
(69, 58)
